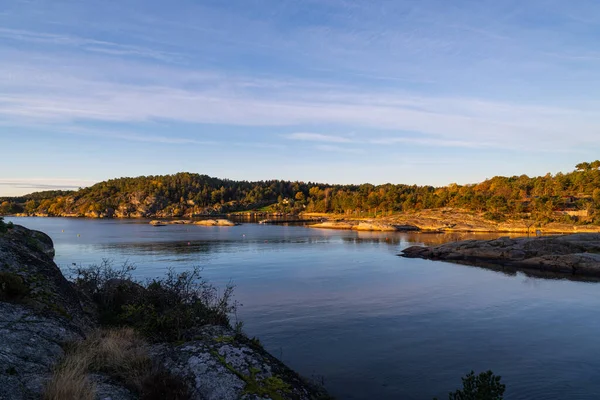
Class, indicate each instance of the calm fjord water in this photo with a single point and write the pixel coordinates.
(343, 306)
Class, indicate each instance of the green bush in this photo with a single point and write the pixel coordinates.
(93, 279)
(485, 386)
(162, 309)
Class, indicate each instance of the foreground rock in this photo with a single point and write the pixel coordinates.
(30, 347)
(369, 226)
(41, 313)
(219, 364)
(577, 254)
(28, 275)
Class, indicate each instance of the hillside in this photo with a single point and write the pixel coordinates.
(572, 197)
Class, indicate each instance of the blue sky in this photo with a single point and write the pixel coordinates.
(339, 91)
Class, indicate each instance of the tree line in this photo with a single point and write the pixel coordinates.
(186, 194)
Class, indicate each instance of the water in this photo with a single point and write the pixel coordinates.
(342, 307)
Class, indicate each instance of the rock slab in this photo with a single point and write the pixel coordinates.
(577, 254)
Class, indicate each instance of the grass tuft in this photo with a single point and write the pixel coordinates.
(70, 380)
(120, 354)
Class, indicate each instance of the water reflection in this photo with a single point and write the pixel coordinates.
(342, 305)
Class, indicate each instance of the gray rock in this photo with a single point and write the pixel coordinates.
(575, 254)
(220, 366)
(30, 347)
(28, 255)
(106, 389)
(37, 319)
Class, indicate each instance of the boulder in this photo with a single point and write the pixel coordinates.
(28, 275)
(220, 365)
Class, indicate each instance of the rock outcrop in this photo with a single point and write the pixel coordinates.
(28, 275)
(218, 364)
(577, 254)
(215, 222)
(40, 311)
(370, 226)
(202, 222)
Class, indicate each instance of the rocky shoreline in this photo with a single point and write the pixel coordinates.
(203, 222)
(576, 254)
(433, 220)
(451, 220)
(366, 226)
(43, 316)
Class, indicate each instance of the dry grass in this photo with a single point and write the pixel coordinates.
(121, 354)
(70, 380)
(118, 353)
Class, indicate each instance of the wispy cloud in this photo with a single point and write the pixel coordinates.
(318, 137)
(435, 142)
(338, 149)
(136, 137)
(86, 44)
(45, 183)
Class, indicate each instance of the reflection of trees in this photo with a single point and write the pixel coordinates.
(429, 239)
(172, 247)
(529, 273)
(205, 246)
(434, 238)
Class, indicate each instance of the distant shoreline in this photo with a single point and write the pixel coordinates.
(425, 221)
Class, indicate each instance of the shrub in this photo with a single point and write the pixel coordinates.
(485, 386)
(494, 216)
(93, 279)
(162, 309)
(12, 287)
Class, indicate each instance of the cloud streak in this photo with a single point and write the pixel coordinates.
(75, 96)
(318, 137)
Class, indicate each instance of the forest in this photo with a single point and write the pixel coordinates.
(568, 197)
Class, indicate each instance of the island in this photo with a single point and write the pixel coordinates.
(576, 254)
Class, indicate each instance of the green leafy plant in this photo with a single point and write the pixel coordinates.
(485, 386)
(163, 309)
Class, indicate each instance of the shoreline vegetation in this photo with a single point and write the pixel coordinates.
(559, 203)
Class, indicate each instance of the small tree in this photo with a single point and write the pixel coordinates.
(3, 225)
(485, 386)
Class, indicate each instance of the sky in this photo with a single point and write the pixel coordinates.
(338, 91)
